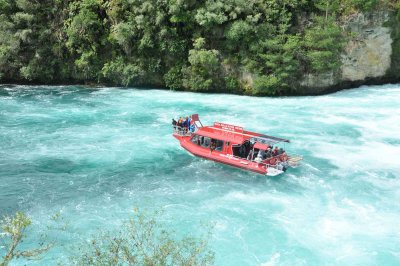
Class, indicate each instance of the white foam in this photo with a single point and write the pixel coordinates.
(273, 261)
(254, 197)
(372, 156)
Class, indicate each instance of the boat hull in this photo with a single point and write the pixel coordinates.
(232, 145)
(226, 159)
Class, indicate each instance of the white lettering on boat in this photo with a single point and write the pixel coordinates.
(228, 127)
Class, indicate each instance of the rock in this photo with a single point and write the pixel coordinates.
(320, 81)
(366, 58)
(368, 53)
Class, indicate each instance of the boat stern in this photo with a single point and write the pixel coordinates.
(273, 171)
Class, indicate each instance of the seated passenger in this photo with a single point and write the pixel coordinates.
(262, 154)
(259, 158)
(275, 151)
(213, 145)
(250, 156)
(268, 154)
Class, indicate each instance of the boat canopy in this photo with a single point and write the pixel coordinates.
(239, 137)
(221, 135)
(234, 134)
(267, 139)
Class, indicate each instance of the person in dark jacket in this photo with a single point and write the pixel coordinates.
(174, 123)
(186, 124)
(268, 154)
(275, 152)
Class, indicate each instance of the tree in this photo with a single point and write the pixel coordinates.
(394, 22)
(322, 45)
(281, 65)
(86, 32)
(204, 71)
(328, 6)
(13, 233)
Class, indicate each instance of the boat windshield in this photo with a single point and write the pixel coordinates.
(207, 142)
(219, 144)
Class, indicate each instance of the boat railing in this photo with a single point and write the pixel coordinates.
(294, 160)
(263, 163)
(181, 131)
(277, 157)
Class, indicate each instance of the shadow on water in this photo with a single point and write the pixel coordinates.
(4, 92)
(62, 94)
(60, 165)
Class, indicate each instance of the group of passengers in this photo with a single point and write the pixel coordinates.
(183, 125)
(266, 154)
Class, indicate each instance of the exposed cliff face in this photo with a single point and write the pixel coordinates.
(367, 55)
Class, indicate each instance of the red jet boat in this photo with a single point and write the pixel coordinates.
(234, 146)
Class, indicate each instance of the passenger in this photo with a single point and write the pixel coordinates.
(174, 124)
(262, 154)
(275, 151)
(250, 156)
(213, 145)
(185, 124)
(192, 127)
(180, 123)
(258, 159)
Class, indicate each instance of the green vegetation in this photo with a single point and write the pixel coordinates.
(141, 241)
(394, 23)
(184, 45)
(12, 234)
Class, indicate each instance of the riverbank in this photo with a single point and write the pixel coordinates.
(301, 48)
(316, 92)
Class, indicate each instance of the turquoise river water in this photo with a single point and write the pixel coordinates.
(93, 155)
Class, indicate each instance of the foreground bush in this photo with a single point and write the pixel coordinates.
(12, 234)
(141, 241)
(144, 241)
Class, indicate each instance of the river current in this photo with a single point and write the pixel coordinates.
(93, 155)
